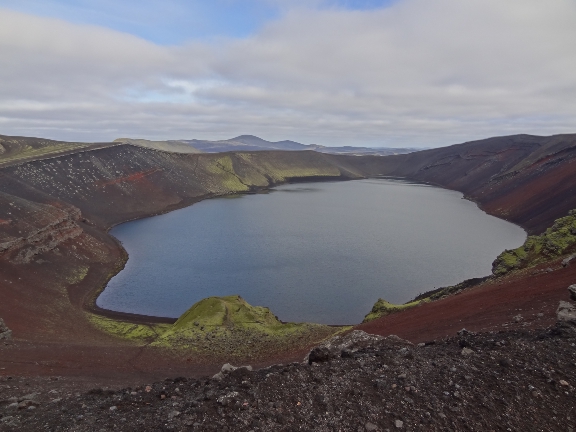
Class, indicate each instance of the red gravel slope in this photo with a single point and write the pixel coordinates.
(490, 306)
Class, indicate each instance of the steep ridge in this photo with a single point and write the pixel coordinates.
(526, 179)
(15, 149)
(124, 182)
(32, 228)
(169, 146)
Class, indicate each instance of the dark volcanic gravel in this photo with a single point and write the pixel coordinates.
(499, 381)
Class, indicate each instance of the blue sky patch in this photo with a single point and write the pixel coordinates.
(171, 22)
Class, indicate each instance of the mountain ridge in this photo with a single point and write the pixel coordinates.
(254, 143)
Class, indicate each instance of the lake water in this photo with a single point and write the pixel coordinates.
(318, 252)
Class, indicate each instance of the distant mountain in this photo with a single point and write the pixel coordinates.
(254, 143)
(244, 143)
(278, 145)
(171, 146)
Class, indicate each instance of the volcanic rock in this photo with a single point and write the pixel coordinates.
(228, 368)
(376, 389)
(572, 290)
(5, 332)
(566, 312)
(345, 345)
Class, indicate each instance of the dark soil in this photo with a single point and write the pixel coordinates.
(500, 381)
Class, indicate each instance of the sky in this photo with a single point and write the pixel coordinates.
(388, 73)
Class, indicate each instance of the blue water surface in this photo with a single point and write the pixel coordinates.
(318, 252)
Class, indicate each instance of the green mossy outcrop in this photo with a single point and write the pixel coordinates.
(230, 311)
(558, 240)
(383, 308)
(230, 327)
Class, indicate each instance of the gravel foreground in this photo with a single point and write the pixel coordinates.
(498, 381)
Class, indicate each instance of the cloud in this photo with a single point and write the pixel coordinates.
(420, 72)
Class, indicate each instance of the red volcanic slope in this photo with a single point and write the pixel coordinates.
(526, 179)
(490, 306)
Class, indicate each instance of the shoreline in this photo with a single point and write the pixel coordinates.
(135, 318)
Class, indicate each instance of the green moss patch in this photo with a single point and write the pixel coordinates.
(77, 274)
(383, 308)
(22, 151)
(558, 240)
(143, 333)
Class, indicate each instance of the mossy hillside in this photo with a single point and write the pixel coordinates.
(244, 167)
(25, 151)
(383, 308)
(141, 333)
(261, 170)
(558, 240)
(280, 171)
(242, 172)
(169, 146)
(230, 327)
(222, 178)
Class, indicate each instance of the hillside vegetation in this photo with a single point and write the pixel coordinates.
(383, 308)
(169, 146)
(558, 240)
(15, 149)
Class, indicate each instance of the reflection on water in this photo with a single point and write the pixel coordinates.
(324, 256)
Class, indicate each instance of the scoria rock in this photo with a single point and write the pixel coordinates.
(572, 291)
(5, 332)
(566, 312)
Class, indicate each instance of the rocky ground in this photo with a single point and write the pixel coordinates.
(507, 380)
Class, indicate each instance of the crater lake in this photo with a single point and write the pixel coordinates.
(318, 252)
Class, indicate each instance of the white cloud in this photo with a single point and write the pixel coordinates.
(421, 72)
